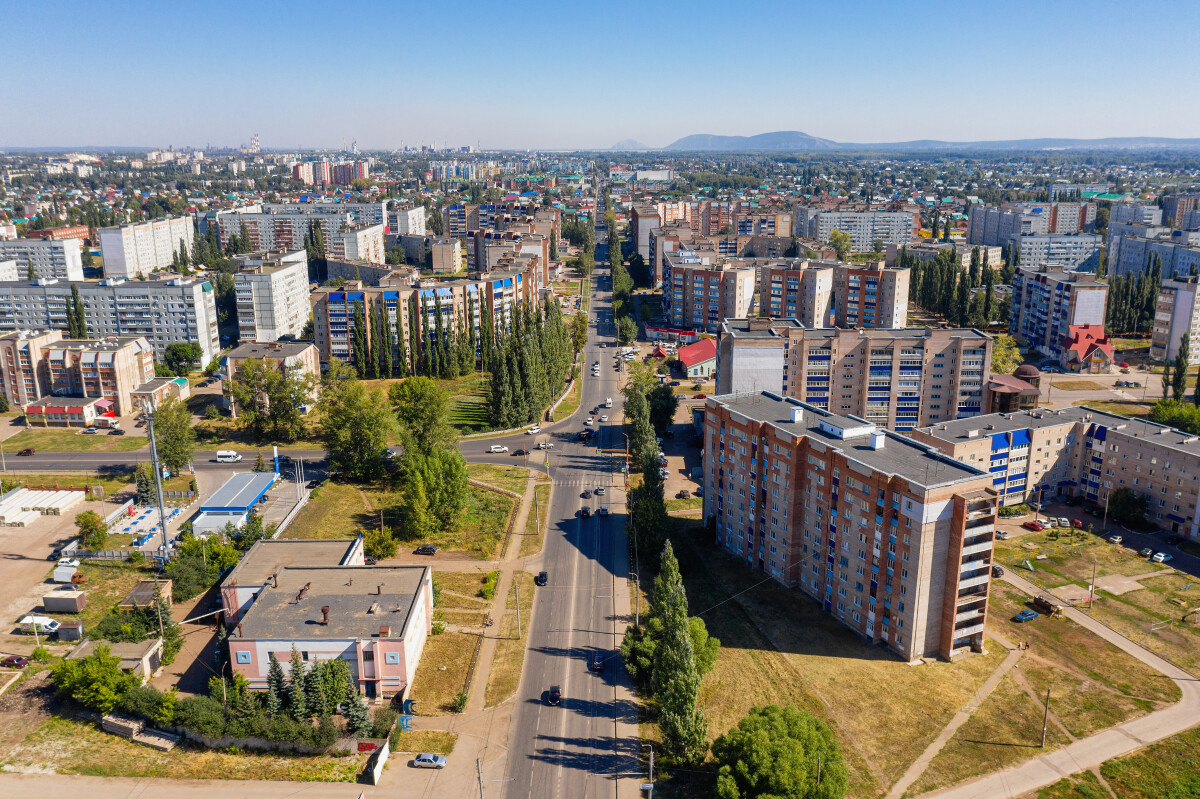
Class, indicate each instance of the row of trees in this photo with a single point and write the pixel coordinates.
(943, 287)
(315, 692)
(529, 363)
(1131, 300)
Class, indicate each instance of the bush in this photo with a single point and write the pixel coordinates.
(488, 589)
(1013, 510)
(201, 715)
(459, 702)
(137, 557)
(385, 719)
(380, 544)
(438, 628)
(41, 655)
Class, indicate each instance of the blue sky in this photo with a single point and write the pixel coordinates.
(587, 74)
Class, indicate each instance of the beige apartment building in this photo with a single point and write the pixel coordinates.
(891, 537)
(1176, 311)
(700, 290)
(1080, 451)
(820, 293)
(36, 364)
(271, 290)
(899, 379)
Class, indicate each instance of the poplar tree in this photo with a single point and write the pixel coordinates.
(358, 340)
(675, 678)
(1179, 372)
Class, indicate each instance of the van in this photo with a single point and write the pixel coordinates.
(228, 456)
(608, 402)
(40, 624)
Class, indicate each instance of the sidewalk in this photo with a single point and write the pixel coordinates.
(1093, 750)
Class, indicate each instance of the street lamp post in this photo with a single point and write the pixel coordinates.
(151, 412)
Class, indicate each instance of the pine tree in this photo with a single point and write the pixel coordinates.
(314, 691)
(296, 700)
(358, 717)
(275, 685)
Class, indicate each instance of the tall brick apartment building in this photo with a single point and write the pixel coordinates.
(892, 537)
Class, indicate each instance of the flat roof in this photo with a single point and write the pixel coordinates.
(240, 491)
(1035, 419)
(900, 455)
(361, 601)
(766, 328)
(269, 349)
(269, 555)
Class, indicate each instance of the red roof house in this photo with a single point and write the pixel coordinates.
(1086, 349)
(699, 359)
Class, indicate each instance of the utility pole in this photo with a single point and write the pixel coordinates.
(820, 757)
(162, 510)
(651, 748)
(479, 771)
(1046, 715)
(1092, 587)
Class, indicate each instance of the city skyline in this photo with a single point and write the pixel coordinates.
(870, 73)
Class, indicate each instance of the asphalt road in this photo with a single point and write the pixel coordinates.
(100, 461)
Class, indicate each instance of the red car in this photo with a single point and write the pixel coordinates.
(1124, 365)
(699, 396)
(1037, 527)
(26, 451)
(14, 662)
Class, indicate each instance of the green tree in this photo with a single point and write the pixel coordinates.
(840, 241)
(92, 531)
(314, 691)
(777, 752)
(96, 681)
(1179, 372)
(627, 330)
(579, 331)
(422, 409)
(1128, 507)
(275, 685)
(641, 432)
(662, 402)
(358, 717)
(180, 358)
(355, 424)
(379, 544)
(268, 400)
(1006, 356)
(675, 678)
(147, 491)
(173, 434)
(30, 274)
(442, 475)
(296, 697)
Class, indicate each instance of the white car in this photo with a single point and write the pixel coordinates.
(498, 448)
(604, 418)
(664, 473)
(533, 431)
(1162, 557)
(603, 510)
(89, 431)
(588, 420)
(426, 760)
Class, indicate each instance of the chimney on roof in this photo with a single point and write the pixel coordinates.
(324, 614)
(275, 580)
(385, 631)
(374, 608)
(379, 590)
(303, 591)
(797, 414)
(878, 438)
(239, 629)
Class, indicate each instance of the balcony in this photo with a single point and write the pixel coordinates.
(966, 615)
(972, 630)
(975, 549)
(971, 582)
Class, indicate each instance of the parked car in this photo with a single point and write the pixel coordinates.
(1094, 510)
(554, 695)
(1115, 539)
(497, 448)
(699, 396)
(389, 453)
(27, 451)
(14, 662)
(1036, 526)
(1162, 557)
(425, 549)
(541, 578)
(1024, 616)
(1145, 552)
(116, 431)
(604, 418)
(90, 431)
(997, 571)
(1063, 521)
(426, 760)
(370, 561)
(664, 473)
(1173, 540)
(312, 484)
(1002, 535)
(683, 494)
(1073, 502)
(597, 661)
(585, 511)
(1077, 524)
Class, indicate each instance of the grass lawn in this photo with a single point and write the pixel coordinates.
(689, 504)
(534, 536)
(1006, 729)
(53, 439)
(512, 478)
(570, 403)
(1140, 409)
(1084, 785)
(467, 397)
(335, 510)
(434, 688)
(505, 673)
(819, 666)
(459, 590)
(1169, 769)
(71, 746)
(1069, 557)
(1079, 385)
(438, 742)
(106, 584)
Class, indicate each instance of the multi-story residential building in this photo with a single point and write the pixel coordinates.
(898, 379)
(1079, 252)
(447, 256)
(1083, 452)
(891, 537)
(80, 232)
(41, 363)
(345, 227)
(178, 310)
(1176, 206)
(820, 293)
(865, 228)
(272, 294)
(643, 219)
(1046, 303)
(699, 292)
(803, 292)
(407, 220)
(289, 357)
(1176, 312)
(762, 222)
(1134, 248)
(401, 309)
(139, 248)
(52, 259)
(1134, 213)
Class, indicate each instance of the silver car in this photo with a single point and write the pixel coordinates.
(429, 761)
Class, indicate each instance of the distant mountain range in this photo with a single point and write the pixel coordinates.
(630, 144)
(794, 141)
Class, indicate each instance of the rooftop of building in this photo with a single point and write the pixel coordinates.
(1008, 384)
(1060, 275)
(240, 491)
(269, 349)
(362, 602)
(269, 555)
(858, 439)
(703, 350)
(159, 282)
(130, 654)
(991, 424)
(151, 386)
(771, 328)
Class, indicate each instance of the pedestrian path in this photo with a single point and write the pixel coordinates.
(1090, 752)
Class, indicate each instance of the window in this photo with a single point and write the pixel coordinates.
(392, 658)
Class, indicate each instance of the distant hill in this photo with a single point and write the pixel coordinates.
(630, 144)
(794, 141)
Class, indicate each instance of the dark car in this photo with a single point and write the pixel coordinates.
(1172, 540)
(554, 695)
(425, 549)
(541, 578)
(55, 554)
(585, 511)
(312, 484)
(597, 661)
(14, 662)
(587, 493)
(370, 561)
(116, 431)
(1073, 502)
(26, 451)
(683, 494)
(1024, 616)
(997, 571)
(673, 383)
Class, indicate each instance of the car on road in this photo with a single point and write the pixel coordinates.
(533, 431)
(585, 511)
(597, 661)
(683, 494)
(604, 418)
(27, 451)
(426, 760)
(1024, 616)
(545, 445)
(312, 484)
(699, 396)
(1162, 557)
(997, 571)
(288, 475)
(90, 431)
(116, 431)
(1145, 552)
(1172, 540)
(588, 420)
(603, 511)
(587, 493)
(554, 695)
(425, 549)
(497, 448)
(14, 662)
(541, 579)
(1036, 526)
(599, 491)
(1115, 539)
